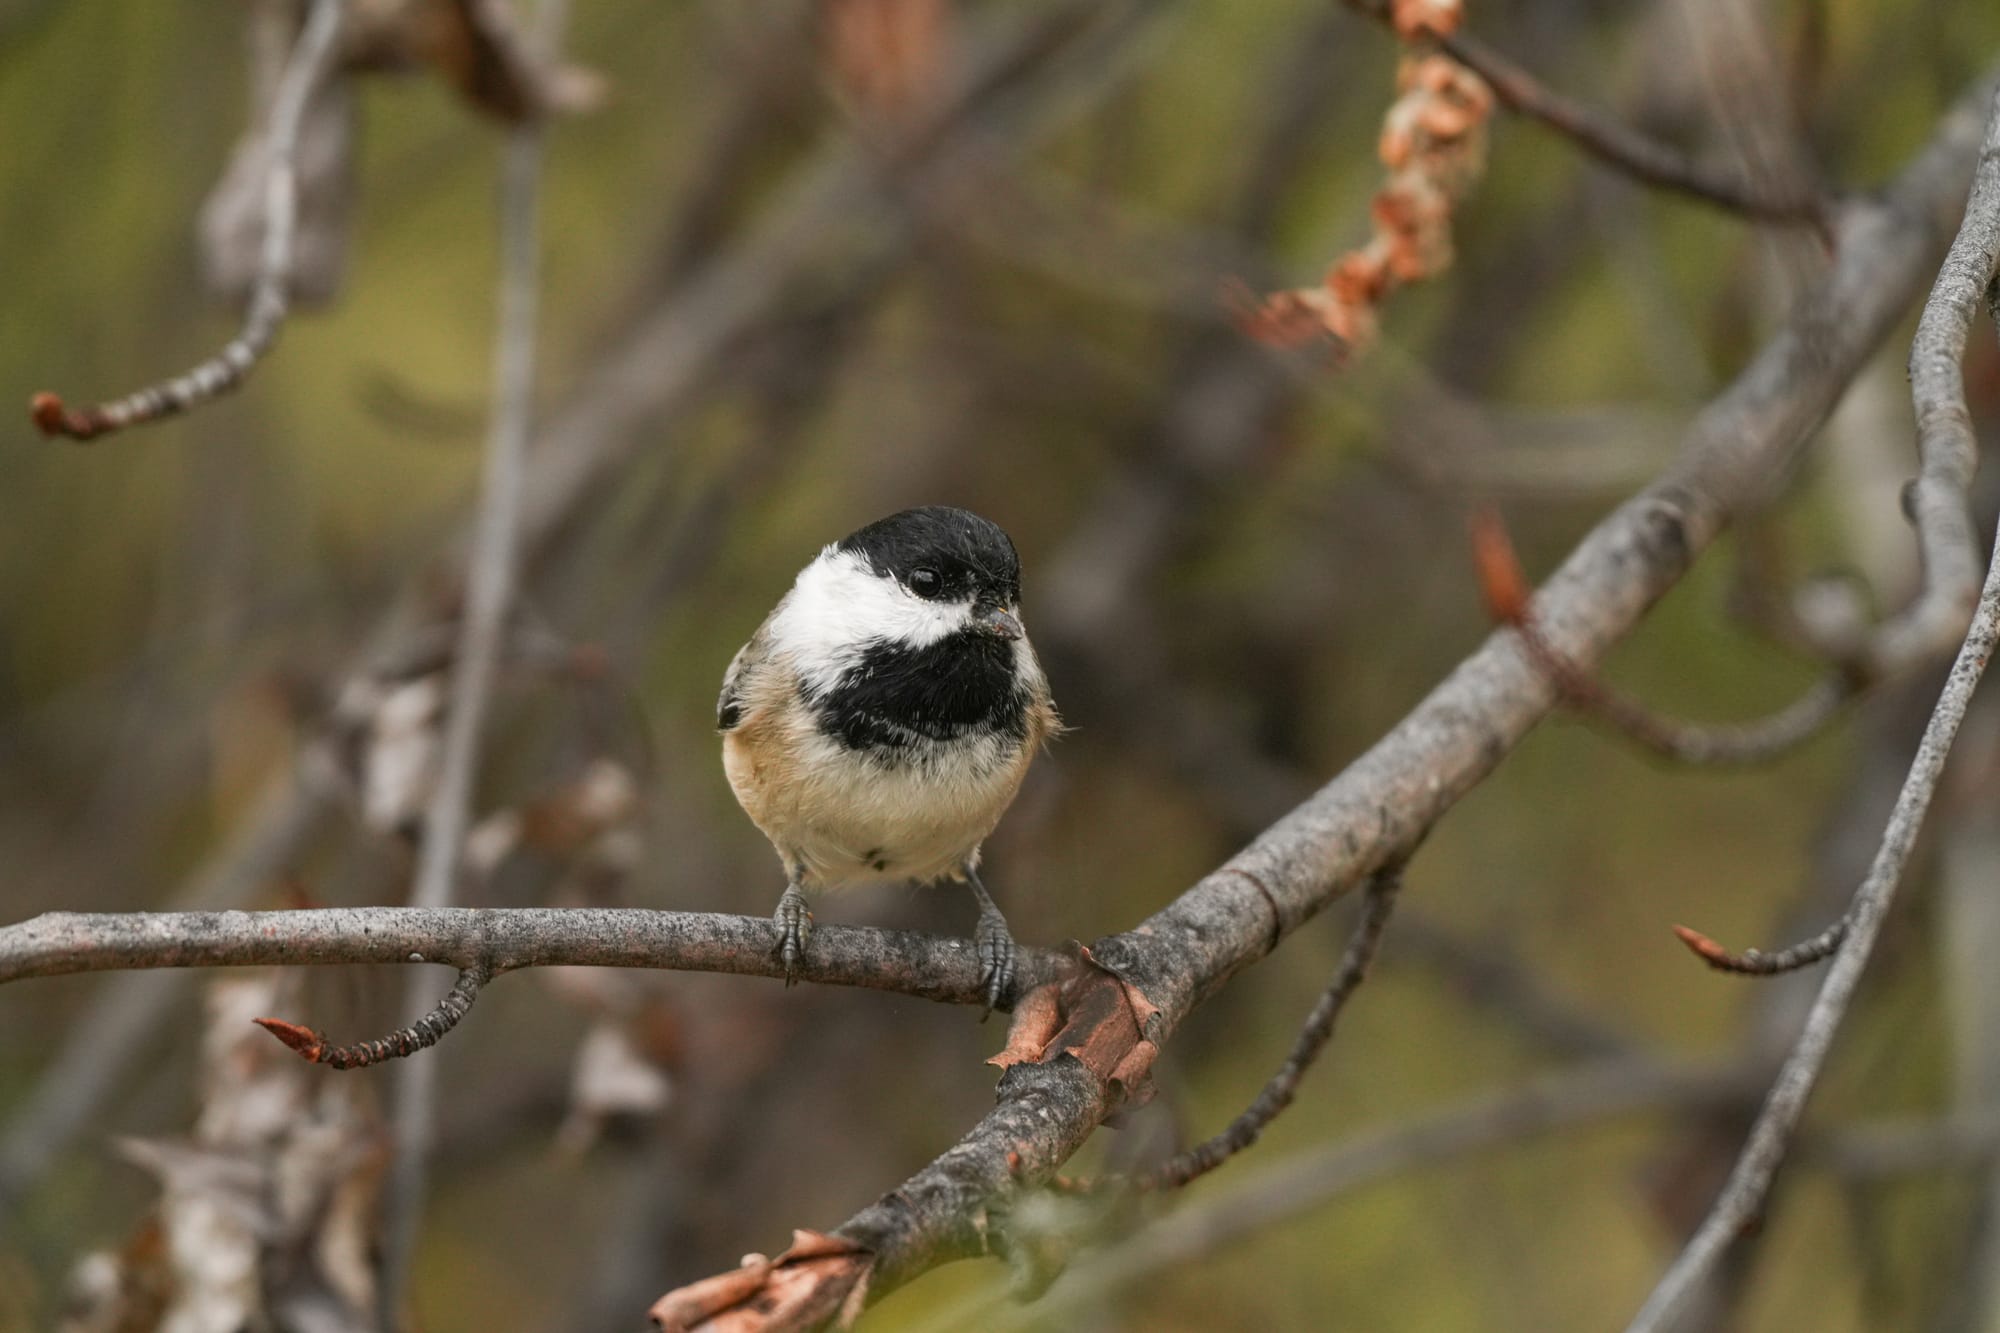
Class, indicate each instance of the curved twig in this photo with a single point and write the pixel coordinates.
(422, 1034)
(1196, 1162)
(270, 293)
(1757, 963)
(1713, 744)
(1707, 744)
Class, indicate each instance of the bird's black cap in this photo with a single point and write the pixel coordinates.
(970, 555)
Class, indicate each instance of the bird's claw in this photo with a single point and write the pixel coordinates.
(794, 921)
(994, 945)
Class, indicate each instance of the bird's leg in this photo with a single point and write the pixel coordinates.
(795, 922)
(994, 944)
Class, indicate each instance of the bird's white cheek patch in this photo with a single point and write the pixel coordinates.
(838, 605)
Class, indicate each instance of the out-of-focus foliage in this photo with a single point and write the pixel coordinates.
(1054, 353)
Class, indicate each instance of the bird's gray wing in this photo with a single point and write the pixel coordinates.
(730, 707)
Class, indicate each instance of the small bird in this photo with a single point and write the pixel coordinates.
(880, 720)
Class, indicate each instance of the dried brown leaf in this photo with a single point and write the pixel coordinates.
(820, 1277)
(1501, 581)
(1037, 1016)
(889, 56)
(1413, 19)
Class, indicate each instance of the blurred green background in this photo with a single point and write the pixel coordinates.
(1242, 567)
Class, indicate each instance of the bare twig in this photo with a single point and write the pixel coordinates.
(1615, 144)
(1711, 744)
(426, 1032)
(1246, 1128)
(931, 967)
(1944, 426)
(1707, 744)
(1625, 149)
(270, 293)
(1937, 502)
(1757, 963)
(493, 568)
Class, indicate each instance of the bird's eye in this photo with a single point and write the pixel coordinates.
(926, 582)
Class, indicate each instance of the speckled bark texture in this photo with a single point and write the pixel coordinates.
(931, 967)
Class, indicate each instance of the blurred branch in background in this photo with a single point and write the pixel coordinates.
(492, 574)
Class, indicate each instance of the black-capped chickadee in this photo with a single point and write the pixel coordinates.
(880, 720)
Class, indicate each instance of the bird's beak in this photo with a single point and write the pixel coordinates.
(1001, 621)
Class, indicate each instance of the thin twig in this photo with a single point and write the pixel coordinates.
(1703, 744)
(1757, 963)
(424, 1033)
(1938, 502)
(1277, 1094)
(1625, 149)
(1941, 411)
(1613, 143)
(493, 569)
(1709, 744)
(270, 292)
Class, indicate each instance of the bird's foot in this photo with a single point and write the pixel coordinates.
(795, 922)
(994, 944)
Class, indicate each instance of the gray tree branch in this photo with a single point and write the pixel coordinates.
(504, 939)
(492, 573)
